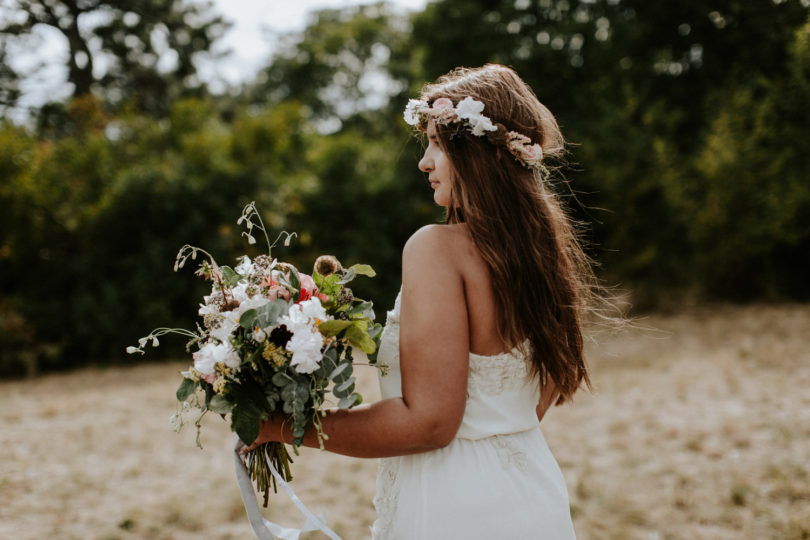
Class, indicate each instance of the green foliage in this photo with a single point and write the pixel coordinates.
(94, 223)
(751, 210)
(137, 53)
(690, 158)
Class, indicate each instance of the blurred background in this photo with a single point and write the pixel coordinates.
(688, 125)
(130, 128)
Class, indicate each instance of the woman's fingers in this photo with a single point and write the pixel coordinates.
(246, 449)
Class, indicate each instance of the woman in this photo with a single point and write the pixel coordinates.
(486, 332)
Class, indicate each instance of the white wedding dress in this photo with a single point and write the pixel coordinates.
(496, 480)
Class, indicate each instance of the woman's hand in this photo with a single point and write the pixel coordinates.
(269, 431)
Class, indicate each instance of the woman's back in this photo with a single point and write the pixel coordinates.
(497, 478)
(480, 298)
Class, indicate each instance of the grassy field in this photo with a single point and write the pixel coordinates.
(699, 428)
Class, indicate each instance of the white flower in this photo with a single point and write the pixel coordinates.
(306, 340)
(411, 113)
(305, 344)
(133, 350)
(226, 327)
(303, 314)
(206, 358)
(259, 335)
(470, 109)
(205, 309)
(251, 303)
(240, 292)
(245, 266)
(313, 309)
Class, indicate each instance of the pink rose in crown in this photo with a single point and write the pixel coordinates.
(531, 154)
(442, 103)
(442, 109)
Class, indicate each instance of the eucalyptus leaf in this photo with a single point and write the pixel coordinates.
(245, 422)
(364, 309)
(186, 388)
(229, 276)
(220, 405)
(338, 370)
(363, 270)
(375, 331)
(295, 281)
(344, 392)
(264, 316)
(345, 385)
(333, 327)
(358, 336)
(248, 318)
(349, 401)
(348, 276)
(281, 379)
(331, 354)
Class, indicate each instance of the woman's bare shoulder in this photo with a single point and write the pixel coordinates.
(438, 240)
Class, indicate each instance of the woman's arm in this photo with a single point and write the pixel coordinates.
(434, 360)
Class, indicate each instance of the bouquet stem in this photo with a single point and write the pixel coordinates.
(259, 462)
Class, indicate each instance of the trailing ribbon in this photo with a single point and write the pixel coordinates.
(267, 530)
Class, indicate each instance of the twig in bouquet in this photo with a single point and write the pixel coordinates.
(248, 213)
(198, 425)
(190, 251)
(155, 334)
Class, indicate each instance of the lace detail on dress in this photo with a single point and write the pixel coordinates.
(385, 502)
(494, 374)
(510, 452)
(392, 317)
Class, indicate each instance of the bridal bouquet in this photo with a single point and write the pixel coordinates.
(273, 341)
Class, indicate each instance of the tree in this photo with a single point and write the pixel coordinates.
(636, 86)
(345, 62)
(142, 52)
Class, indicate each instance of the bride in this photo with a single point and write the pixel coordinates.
(486, 333)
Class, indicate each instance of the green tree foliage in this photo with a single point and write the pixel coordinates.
(688, 123)
(751, 204)
(636, 85)
(346, 61)
(141, 52)
(91, 223)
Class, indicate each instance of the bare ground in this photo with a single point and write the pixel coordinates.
(699, 428)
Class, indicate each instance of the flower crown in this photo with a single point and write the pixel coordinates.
(468, 114)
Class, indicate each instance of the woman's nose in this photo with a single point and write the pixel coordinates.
(425, 164)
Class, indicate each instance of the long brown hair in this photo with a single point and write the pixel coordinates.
(541, 278)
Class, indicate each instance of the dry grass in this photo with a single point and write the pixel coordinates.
(699, 428)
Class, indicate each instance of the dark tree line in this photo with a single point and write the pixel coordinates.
(687, 122)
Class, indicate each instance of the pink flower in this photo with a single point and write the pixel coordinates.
(442, 103)
(531, 154)
(309, 289)
(274, 289)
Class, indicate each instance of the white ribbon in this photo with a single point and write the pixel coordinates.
(267, 530)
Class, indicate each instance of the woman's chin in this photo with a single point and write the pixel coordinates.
(441, 201)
